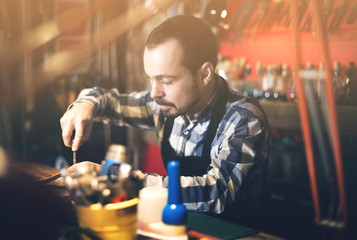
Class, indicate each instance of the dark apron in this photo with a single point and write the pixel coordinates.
(246, 207)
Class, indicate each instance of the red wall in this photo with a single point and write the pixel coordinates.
(276, 46)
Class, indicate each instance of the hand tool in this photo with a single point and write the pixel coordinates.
(74, 157)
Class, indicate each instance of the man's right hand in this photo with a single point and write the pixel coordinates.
(79, 119)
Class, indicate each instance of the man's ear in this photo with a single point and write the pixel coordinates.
(207, 72)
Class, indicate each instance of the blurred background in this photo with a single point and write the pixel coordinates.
(51, 49)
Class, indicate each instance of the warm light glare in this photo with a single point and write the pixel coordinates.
(224, 14)
(213, 12)
(224, 25)
(42, 35)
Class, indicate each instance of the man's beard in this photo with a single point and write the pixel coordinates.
(194, 97)
(167, 112)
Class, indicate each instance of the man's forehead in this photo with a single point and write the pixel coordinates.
(167, 41)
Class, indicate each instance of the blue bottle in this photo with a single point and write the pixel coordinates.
(174, 212)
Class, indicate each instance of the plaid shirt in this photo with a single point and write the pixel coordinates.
(242, 140)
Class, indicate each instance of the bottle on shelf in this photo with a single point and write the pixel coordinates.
(351, 85)
(268, 82)
(237, 72)
(258, 91)
(338, 83)
(311, 79)
(248, 85)
(320, 82)
(290, 83)
(279, 87)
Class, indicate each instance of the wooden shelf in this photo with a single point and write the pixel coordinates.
(285, 115)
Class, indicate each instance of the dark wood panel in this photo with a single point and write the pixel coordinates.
(286, 116)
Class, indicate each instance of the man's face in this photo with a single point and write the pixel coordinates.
(173, 86)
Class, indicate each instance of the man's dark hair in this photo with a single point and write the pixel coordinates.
(197, 40)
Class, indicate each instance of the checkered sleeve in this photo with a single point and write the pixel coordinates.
(136, 109)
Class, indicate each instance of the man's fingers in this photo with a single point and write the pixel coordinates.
(78, 137)
(67, 136)
(79, 119)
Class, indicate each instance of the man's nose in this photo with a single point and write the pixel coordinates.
(156, 91)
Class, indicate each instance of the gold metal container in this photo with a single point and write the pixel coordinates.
(112, 221)
(120, 153)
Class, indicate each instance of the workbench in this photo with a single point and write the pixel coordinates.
(198, 224)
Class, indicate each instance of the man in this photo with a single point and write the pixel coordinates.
(220, 138)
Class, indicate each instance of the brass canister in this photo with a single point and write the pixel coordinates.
(112, 221)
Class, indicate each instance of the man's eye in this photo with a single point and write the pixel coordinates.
(166, 81)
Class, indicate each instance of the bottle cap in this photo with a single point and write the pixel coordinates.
(174, 212)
